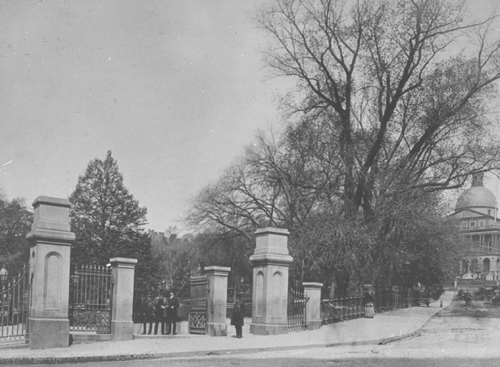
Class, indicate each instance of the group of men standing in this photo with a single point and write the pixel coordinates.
(162, 310)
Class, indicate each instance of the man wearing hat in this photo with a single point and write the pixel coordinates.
(238, 315)
(172, 306)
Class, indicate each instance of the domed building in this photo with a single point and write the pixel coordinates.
(477, 210)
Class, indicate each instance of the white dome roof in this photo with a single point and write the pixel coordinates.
(477, 196)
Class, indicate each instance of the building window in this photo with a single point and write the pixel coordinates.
(463, 224)
(481, 223)
(473, 265)
(472, 224)
(486, 265)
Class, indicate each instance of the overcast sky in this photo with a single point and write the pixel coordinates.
(174, 88)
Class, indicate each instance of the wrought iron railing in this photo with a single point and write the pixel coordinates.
(341, 309)
(297, 303)
(387, 299)
(91, 290)
(15, 297)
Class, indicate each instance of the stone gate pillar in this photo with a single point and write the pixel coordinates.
(313, 306)
(271, 261)
(122, 326)
(216, 300)
(50, 239)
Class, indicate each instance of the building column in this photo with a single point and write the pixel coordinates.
(50, 239)
(122, 326)
(313, 306)
(216, 300)
(271, 261)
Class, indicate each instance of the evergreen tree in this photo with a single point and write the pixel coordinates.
(15, 222)
(106, 218)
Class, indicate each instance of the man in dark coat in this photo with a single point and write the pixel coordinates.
(238, 315)
(173, 305)
(160, 306)
(148, 314)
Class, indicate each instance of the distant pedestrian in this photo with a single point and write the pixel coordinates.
(467, 297)
(148, 314)
(427, 299)
(172, 306)
(238, 315)
(160, 306)
(368, 303)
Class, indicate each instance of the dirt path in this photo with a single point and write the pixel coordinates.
(456, 334)
(458, 331)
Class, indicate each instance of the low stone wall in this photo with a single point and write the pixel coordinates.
(182, 328)
(87, 337)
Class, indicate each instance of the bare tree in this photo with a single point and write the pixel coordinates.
(389, 78)
(392, 108)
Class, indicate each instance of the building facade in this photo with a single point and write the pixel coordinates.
(476, 209)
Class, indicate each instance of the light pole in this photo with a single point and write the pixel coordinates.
(3, 279)
(3, 274)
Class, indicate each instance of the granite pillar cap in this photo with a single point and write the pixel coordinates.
(312, 285)
(123, 262)
(51, 214)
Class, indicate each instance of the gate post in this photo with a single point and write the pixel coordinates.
(271, 261)
(313, 306)
(216, 300)
(122, 326)
(50, 239)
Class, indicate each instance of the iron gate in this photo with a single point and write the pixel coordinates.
(90, 299)
(198, 309)
(297, 303)
(15, 298)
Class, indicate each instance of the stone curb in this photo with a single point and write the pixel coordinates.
(128, 357)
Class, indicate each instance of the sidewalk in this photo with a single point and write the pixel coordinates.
(383, 328)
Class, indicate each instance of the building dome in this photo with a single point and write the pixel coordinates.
(477, 196)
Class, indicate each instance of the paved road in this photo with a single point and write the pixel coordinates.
(444, 342)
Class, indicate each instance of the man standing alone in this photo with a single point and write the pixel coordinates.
(238, 315)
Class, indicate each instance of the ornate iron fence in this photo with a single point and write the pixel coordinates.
(394, 298)
(90, 299)
(341, 309)
(198, 304)
(15, 298)
(297, 303)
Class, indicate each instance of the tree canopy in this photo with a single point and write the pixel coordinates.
(108, 221)
(15, 223)
(176, 256)
(392, 108)
(402, 87)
